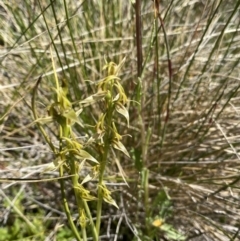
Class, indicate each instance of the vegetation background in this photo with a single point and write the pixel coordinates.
(183, 174)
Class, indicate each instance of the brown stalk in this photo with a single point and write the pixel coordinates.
(139, 36)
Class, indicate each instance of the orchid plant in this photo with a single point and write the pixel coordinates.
(71, 155)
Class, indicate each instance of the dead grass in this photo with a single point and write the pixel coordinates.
(193, 156)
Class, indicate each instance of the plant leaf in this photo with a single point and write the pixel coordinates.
(85, 155)
(72, 116)
(119, 146)
(93, 98)
(123, 111)
(86, 179)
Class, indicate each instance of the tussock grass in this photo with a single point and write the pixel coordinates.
(184, 165)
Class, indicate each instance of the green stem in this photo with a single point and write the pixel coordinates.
(145, 177)
(81, 203)
(94, 231)
(66, 208)
(84, 234)
(103, 162)
(100, 194)
(64, 132)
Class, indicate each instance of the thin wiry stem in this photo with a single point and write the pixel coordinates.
(139, 36)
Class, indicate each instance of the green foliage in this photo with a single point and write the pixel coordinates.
(163, 204)
(19, 230)
(71, 155)
(64, 233)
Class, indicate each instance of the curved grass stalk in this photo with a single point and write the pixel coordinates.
(36, 117)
